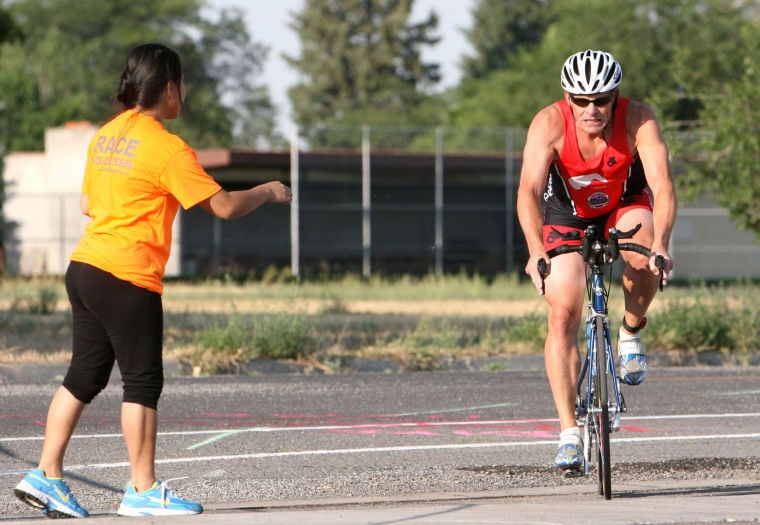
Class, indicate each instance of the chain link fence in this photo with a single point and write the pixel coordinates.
(380, 200)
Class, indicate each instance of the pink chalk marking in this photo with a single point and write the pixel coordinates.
(232, 415)
(632, 428)
(306, 416)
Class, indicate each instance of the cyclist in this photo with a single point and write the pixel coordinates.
(593, 157)
(136, 177)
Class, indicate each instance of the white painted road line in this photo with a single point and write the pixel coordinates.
(383, 450)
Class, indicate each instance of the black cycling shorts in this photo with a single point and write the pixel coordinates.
(559, 225)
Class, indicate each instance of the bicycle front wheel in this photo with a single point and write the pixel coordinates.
(601, 412)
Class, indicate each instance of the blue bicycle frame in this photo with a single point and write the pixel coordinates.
(598, 309)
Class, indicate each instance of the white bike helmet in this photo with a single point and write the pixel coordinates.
(590, 72)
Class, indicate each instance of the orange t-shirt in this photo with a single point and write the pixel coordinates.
(137, 175)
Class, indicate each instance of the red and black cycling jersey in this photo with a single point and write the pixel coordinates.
(579, 188)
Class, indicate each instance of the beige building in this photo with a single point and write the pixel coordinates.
(42, 219)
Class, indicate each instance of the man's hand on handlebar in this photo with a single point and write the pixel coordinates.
(536, 275)
(661, 264)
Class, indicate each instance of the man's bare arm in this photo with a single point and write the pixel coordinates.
(540, 149)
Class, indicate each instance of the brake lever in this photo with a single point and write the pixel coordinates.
(630, 233)
(542, 271)
(659, 262)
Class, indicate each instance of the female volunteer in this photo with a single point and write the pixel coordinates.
(137, 176)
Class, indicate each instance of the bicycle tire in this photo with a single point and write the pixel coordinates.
(602, 419)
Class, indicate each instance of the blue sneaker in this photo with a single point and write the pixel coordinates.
(156, 501)
(570, 457)
(633, 363)
(51, 495)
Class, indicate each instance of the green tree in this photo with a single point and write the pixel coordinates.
(667, 49)
(66, 65)
(529, 78)
(706, 50)
(723, 162)
(227, 63)
(9, 32)
(721, 149)
(8, 28)
(360, 63)
(500, 28)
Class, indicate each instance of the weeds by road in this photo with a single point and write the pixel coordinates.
(218, 326)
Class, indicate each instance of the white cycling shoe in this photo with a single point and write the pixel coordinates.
(570, 453)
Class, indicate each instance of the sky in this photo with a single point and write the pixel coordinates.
(268, 20)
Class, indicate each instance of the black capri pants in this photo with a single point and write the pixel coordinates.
(114, 320)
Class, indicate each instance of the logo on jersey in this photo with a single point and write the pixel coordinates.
(611, 161)
(598, 200)
(584, 181)
(549, 189)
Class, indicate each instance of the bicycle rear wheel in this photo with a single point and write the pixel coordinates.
(601, 412)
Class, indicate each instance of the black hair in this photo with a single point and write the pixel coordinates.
(150, 67)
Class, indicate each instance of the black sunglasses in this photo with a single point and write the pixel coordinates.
(598, 101)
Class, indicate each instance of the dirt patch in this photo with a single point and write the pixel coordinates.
(448, 307)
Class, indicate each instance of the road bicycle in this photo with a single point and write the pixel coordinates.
(599, 401)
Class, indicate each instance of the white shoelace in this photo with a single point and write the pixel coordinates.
(165, 488)
(629, 344)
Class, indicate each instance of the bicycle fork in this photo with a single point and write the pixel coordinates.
(616, 403)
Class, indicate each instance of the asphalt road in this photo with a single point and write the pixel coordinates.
(447, 447)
